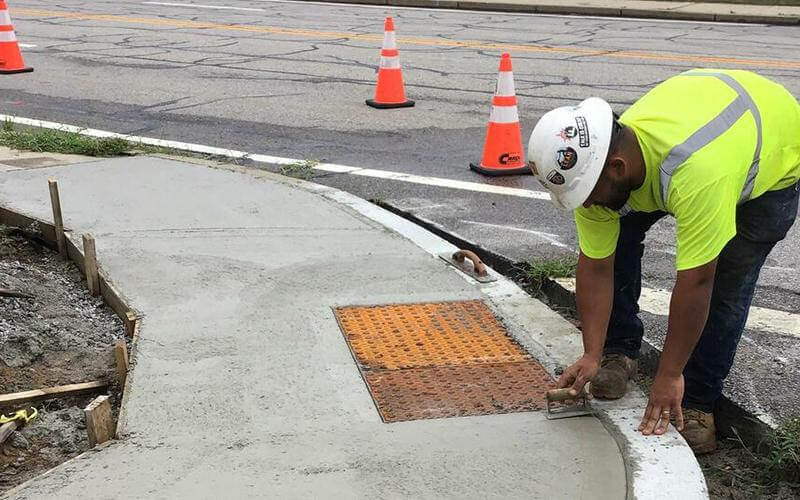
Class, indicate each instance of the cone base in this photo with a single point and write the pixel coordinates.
(12, 71)
(496, 172)
(390, 105)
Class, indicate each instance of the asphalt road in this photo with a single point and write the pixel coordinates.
(290, 78)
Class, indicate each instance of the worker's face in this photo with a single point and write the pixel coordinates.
(610, 192)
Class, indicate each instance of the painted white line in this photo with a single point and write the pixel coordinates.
(27, 45)
(199, 6)
(548, 237)
(760, 318)
(512, 14)
(277, 160)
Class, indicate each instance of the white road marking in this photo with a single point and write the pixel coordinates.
(27, 45)
(277, 160)
(760, 318)
(548, 237)
(514, 14)
(199, 6)
(782, 269)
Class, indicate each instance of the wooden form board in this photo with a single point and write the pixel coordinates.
(18, 398)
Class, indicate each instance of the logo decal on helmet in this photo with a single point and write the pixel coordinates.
(566, 158)
(583, 131)
(568, 133)
(555, 178)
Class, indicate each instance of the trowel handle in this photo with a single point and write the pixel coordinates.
(563, 395)
(480, 267)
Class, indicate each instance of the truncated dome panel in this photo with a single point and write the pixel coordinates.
(441, 359)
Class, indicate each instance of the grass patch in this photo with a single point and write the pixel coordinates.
(300, 170)
(59, 141)
(558, 267)
(41, 140)
(781, 461)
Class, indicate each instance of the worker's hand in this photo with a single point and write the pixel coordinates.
(665, 402)
(578, 374)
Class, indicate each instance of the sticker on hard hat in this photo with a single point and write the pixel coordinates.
(583, 131)
(568, 133)
(566, 158)
(555, 178)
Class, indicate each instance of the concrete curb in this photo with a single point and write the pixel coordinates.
(586, 10)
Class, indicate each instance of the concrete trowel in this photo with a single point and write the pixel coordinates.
(560, 404)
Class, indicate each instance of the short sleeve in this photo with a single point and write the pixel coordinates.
(598, 231)
(706, 220)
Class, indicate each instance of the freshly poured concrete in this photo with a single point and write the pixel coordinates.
(243, 385)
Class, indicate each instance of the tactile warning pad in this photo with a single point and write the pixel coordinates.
(441, 359)
(434, 334)
(455, 391)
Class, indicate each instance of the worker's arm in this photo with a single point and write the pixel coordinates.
(688, 312)
(594, 295)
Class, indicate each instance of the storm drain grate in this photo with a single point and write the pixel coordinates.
(441, 359)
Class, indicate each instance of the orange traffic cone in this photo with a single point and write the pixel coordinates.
(502, 152)
(390, 92)
(10, 56)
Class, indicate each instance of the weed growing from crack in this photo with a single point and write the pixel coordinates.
(539, 270)
(300, 169)
(781, 462)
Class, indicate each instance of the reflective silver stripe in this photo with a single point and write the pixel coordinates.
(712, 130)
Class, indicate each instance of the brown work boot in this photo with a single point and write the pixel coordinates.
(699, 431)
(611, 382)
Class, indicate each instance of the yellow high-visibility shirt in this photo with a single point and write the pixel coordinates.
(704, 134)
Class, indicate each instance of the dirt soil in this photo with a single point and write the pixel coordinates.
(732, 474)
(61, 336)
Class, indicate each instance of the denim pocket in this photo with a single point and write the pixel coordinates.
(769, 217)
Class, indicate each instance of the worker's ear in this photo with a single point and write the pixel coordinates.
(617, 167)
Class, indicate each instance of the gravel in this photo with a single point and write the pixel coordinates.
(61, 336)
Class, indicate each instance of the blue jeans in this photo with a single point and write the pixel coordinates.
(760, 224)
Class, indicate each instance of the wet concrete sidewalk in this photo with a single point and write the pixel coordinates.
(243, 385)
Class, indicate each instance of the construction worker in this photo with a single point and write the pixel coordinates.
(719, 151)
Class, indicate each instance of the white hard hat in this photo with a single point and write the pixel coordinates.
(568, 148)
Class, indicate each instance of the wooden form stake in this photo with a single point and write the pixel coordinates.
(130, 323)
(99, 424)
(90, 265)
(121, 355)
(58, 220)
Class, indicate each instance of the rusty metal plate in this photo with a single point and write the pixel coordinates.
(452, 391)
(431, 334)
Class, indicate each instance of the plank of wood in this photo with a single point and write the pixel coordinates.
(58, 220)
(5, 292)
(17, 398)
(6, 430)
(121, 355)
(90, 265)
(99, 424)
